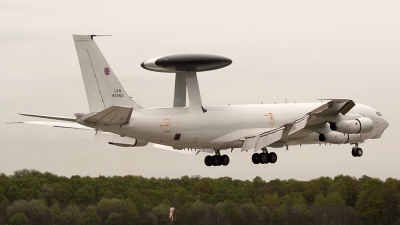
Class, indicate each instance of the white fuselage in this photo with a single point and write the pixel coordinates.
(222, 127)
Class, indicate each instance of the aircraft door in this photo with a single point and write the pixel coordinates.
(167, 125)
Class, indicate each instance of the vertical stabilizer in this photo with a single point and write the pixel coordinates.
(103, 89)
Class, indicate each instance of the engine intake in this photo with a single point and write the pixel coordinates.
(360, 125)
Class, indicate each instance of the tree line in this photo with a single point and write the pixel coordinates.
(33, 197)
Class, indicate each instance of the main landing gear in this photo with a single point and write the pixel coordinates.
(356, 151)
(264, 157)
(216, 160)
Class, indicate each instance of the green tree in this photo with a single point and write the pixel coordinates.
(28, 193)
(272, 200)
(371, 205)
(18, 219)
(91, 217)
(85, 195)
(335, 199)
(279, 215)
(36, 211)
(150, 219)
(55, 213)
(161, 212)
(2, 195)
(114, 219)
(248, 214)
(310, 190)
(13, 193)
(48, 193)
(205, 185)
(230, 210)
(106, 206)
(71, 216)
(320, 200)
(292, 199)
(18, 206)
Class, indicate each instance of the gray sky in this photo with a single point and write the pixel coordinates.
(299, 50)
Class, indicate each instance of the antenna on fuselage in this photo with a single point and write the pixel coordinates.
(185, 67)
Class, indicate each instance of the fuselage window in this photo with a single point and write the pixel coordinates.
(378, 113)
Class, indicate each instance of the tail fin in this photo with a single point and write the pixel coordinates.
(102, 86)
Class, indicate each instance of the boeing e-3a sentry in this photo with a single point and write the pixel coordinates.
(194, 128)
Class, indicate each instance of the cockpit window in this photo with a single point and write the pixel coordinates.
(378, 113)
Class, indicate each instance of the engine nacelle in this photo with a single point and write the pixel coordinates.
(339, 138)
(360, 125)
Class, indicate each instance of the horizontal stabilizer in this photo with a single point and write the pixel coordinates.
(70, 119)
(114, 115)
(57, 124)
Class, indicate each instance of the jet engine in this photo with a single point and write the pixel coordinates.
(360, 125)
(334, 137)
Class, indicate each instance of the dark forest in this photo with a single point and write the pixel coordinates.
(33, 197)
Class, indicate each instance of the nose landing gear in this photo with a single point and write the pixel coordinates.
(264, 157)
(356, 151)
(216, 160)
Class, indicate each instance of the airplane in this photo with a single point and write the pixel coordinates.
(119, 120)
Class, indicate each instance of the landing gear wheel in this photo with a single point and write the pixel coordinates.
(255, 158)
(216, 160)
(263, 158)
(224, 160)
(359, 152)
(272, 157)
(353, 152)
(208, 160)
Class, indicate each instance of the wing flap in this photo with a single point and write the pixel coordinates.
(262, 140)
(299, 124)
(269, 137)
(187, 151)
(250, 143)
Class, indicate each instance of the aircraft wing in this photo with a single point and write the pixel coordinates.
(316, 116)
(58, 124)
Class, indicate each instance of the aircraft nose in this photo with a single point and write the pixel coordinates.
(385, 123)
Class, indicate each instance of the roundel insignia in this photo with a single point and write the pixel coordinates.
(107, 71)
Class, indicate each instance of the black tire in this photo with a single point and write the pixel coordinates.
(216, 160)
(255, 158)
(224, 160)
(263, 158)
(359, 152)
(208, 160)
(272, 157)
(353, 152)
